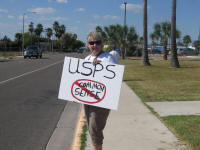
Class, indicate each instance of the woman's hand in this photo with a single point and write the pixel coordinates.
(95, 61)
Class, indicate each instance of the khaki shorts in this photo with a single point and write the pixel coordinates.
(96, 121)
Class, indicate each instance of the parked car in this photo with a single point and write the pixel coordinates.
(186, 51)
(156, 51)
(33, 51)
(81, 49)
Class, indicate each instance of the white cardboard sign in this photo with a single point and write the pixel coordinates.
(97, 85)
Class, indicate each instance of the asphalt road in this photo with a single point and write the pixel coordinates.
(29, 109)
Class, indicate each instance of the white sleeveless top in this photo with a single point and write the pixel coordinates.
(104, 56)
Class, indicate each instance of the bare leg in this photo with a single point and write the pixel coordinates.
(98, 147)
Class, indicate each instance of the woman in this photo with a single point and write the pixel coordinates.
(96, 116)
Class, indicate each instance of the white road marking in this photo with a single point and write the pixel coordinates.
(27, 73)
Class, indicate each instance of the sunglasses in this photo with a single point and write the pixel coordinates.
(95, 42)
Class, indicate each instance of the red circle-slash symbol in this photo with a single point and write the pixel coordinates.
(95, 98)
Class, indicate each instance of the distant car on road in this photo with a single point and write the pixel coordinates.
(186, 51)
(81, 49)
(33, 51)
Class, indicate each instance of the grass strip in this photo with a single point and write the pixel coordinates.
(187, 128)
(83, 137)
(8, 55)
(160, 82)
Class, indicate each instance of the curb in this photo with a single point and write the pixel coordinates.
(76, 141)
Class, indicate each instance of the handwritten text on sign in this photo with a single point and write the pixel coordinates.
(97, 85)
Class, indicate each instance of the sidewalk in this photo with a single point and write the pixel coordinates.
(134, 127)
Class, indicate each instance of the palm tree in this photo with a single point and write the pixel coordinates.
(56, 27)
(49, 33)
(116, 37)
(31, 27)
(174, 58)
(187, 40)
(31, 30)
(162, 30)
(59, 30)
(68, 40)
(113, 35)
(38, 31)
(154, 38)
(131, 35)
(99, 29)
(18, 39)
(166, 28)
(145, 58)
(62, 29)
(197, 45)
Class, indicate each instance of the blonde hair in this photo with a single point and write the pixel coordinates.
(93, 35)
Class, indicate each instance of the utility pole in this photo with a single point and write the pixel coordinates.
(124, 53)
(23, 31)
(125, 3)
(23, 35)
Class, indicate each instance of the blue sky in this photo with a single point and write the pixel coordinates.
(81, 16)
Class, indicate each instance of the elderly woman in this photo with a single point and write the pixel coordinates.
(96, 116)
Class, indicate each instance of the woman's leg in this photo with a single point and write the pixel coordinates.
(96, 121)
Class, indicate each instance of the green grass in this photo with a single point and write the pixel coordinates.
(8, 55)
(160, 82)
(187, 128)
(83, 137)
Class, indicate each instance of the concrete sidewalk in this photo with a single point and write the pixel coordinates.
(134, 127)
(176, 108)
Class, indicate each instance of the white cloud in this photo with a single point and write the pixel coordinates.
(96, 16)
(54, 18)
(110, 17)
(78, 21)
(10, 17)
(150, 28)
(48, 10)
(73, 29)
(4, 10)
(80, 9)
(132, 7)
(93, 24)
(5, 26)
(62, 1)
(105, 17)
(21, 17)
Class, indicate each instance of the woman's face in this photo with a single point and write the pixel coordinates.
(95, 47)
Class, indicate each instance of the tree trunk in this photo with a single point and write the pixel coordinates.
(174, 58)
(31, 39)
(145, 58)
(122, 52)
(165, 50)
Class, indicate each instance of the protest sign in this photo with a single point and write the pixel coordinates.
(98, 85)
